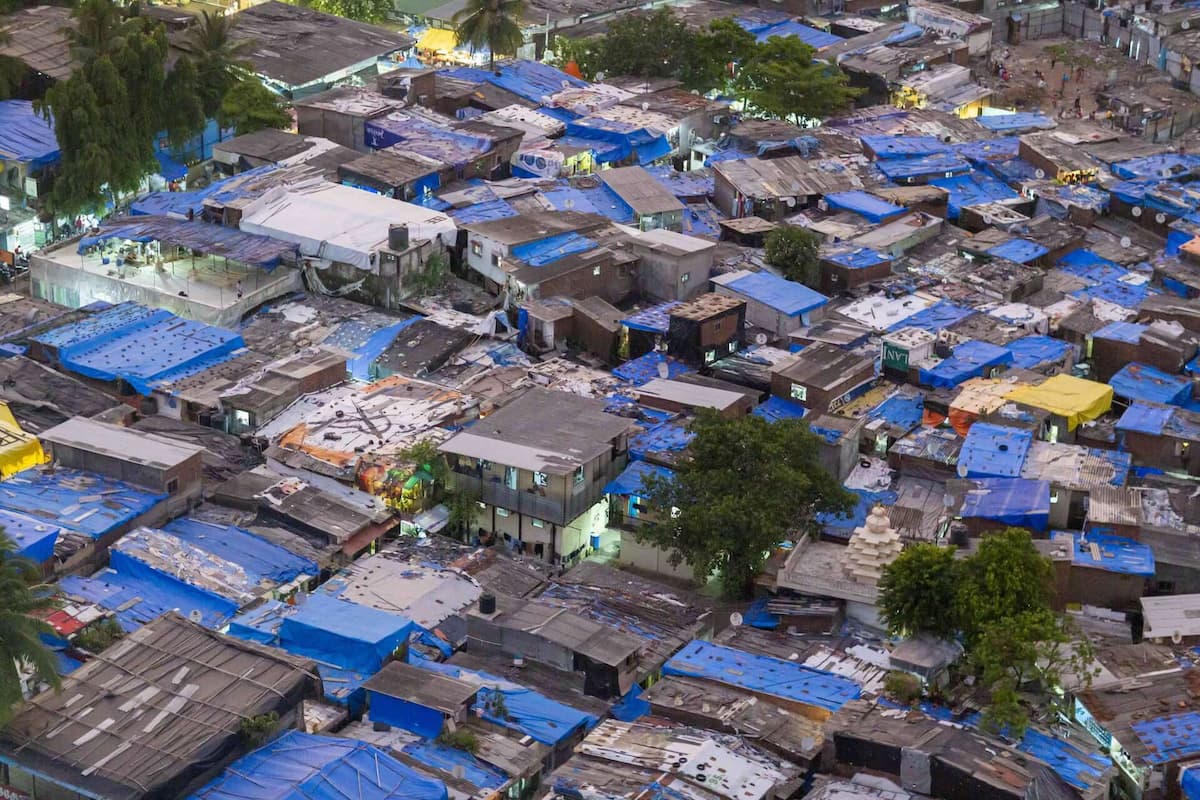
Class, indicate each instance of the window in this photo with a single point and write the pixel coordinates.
(495, 259)
(537, 523)
(685, 277)
(510, 477)
(485, 464)
(578, 476)
(540, 479)
(173, 486)
(733, 346)
(596, 271)
(476, 248)
(710, 356)
(503, 512)
(799, 392)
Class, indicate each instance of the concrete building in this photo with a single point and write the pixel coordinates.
(672, 266)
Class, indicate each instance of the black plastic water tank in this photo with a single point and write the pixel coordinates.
(487, 603)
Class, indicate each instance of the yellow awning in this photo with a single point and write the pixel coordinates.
(437, 39)
(18, 450)
(1075, 399)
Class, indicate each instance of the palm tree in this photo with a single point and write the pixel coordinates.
(98, 29)
(220, 59)
(20, 632)
(494, 24)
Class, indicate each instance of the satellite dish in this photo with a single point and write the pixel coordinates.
(664, 371)
(735, 619)
(196, 616)
(1160, 218)
(1187, 23)
(760, 338)
(1039, 174)
(1137, 211)
(962, 470)
(1126, 241)
(987, 219)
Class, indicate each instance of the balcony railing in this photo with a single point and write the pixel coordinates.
(555, 510)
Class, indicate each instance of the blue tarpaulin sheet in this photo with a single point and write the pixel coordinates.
(26, 135)
(1143, 382)
(262, 623)
(1021, 251)
(137, 594)
(630, 481)
(1016, 170)
(239, 546)
(813, 37)
(903, 411)
(1016, 123)
(695, 185)
(942, 314)
(568, 199)
(1189, 784)
(555, 248)
(994, 451)
(777, 409)
(1020, 502)
(868, 206)
(984, 151)
(1170, 738)
(530, 80)
(906, 33)
(414, 133)
(84, 502)
(181, 203)
(890, 147)
(655, 319)
(969, 190)
(841, 526)
(1116, 553)
(34, 539)
(305, 766)
(788, 297)
(972, 359)
(528, 712)
(452, 760)
(667, 437)
(763, 675)
(203, 237)
(372, 347)
(629, 139)
(643, 369)
(1145, 418)
(344, 634)
(1126, 295)
(856, 258)
(1128, 332)
(1079, 768)
(908, 169)
(153, 349)
(482, 212)
(1034, 351)
(631, 707)
(1163, 165)
(758, 616)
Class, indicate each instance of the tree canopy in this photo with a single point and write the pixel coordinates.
(745, 484)
(782, 79)
(249, 106)
(996, 600)
(21, 596)
(494, 24)
(361, 10)
(795, 252)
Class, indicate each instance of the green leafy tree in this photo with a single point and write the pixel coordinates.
(361, 10)
(249, 106)
(588, 54)
(917, 591)
(99, 29)
(781, 79)
(744, 486)
(796, 253)
(184, 114)
(21, 597)
(1004, 713)
(221, 59)
(494, 24)
(707, 60)
(1006, 578)
(652, 45)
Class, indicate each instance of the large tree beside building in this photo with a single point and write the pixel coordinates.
(249, 106)
(491, 24)
(745, 485)
(795, 252)
(783, 79)
(21, 597)
(220, 59)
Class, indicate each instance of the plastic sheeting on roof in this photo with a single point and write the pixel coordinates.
(969, 190)
(18, 450)
(216, 240)
(1021, 122)
(971, 359)
(889, 147)
(1125, 295)
(239, 546)
(34, 540)
(371, 347)
(985, 151)
(868, 206)
(1128, 332)
(1163, 165)
(1146, 418)
(787, 297)
(1020, 502)
(146, 350)
(79, 501)
(451, 760)
(343, 633)
(763, 674)
(1111, 553)
(630, 481)
(138, 594)
(1031, 352)
(994, 451)
(304, 766)
(855, 258)
(643, 369)
(1075, 399)
(903, 411)
(942, 314)
(841, 526)
(555, 248)
(1021, 251)
(181, 203)
(813, 37)
(666, 437)
(1079, 768)
(777, 409)
(528, 712)
(940, 164)
(655, 319)
(648, 145)
(1143, 382)
(26, 135)
(1170, 738)
(529, 80)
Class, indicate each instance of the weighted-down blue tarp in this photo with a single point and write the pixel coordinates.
(547, 251)
(1020, 502)
(344, 634)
